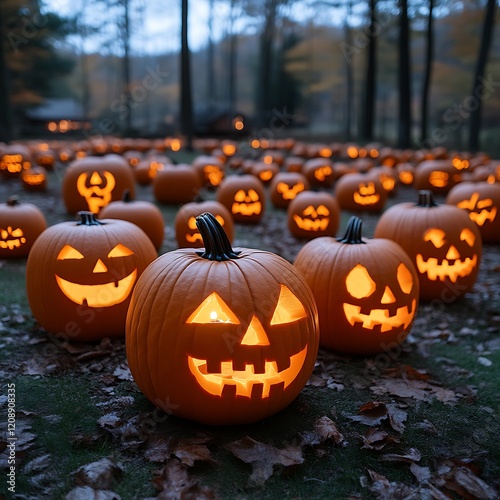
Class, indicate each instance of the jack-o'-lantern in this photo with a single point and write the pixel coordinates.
(210, 169)
(243, 196)
(264, 171)
(438, 176)
(14, 159)
(318, 171)
(147, 169)
(176, 184)
(481, 201)
(45, 158)
(133, 157)
(360, 192)
(90, 183)
(460, 163)
(144, 214)
(389, 157)
(20, 226)
(366, 290)
(285, 187)
(442, 242)
(405, 172)
(386, 176)
(312, 214)
(273, 157)
(34, 179)
(293, 163)
(244, 327)
(80, 275)
(186, 230)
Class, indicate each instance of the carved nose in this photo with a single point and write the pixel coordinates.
(255, 334)
(99, 267)
(452, 253)
(388, 297)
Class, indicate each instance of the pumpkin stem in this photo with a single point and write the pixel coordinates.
(12, 201)
(426, 199)
(88, 219)
(217, 244)
(352, 235)
(126, 196)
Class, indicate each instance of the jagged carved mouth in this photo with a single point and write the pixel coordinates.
(244, 380)
(104, 295)
(369, 199)
(310, 224)
(247, 208)
(11, 244)
(402, 317)
(481, 217)
(192, 238)
(452, 270)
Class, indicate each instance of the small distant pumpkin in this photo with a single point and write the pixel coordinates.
(34, 179)
(20, 226)
(360, 192)
(318, 171)
(176, 184)
(438, 176)
(285, 187)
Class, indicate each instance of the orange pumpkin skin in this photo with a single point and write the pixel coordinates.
(442, 242)
(20, 226)
(244, 197)
(166, 341)
(285, 186)
(366, 291)
(360, 192)
(438, 176)
(319, 171)
(144, 214)
(186, 232)
(80, 275)
(481, 200)
(14, 159)
(312, 214)
(176, 184)
(90, 183)
(34, 179)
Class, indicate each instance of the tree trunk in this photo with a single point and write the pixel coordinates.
(186, 105)
(232, 69)
(126, 68)
(5, 109)
(368, 110)
(404, 125)
(429, 59)
(348, 81)
(487, 35)
(210, 59)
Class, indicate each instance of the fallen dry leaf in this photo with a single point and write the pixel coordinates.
(406, 372)
(371, 413)
(190, 450)
(175, 483)
(413, 455)
(99, 475)
(263, 457)
(88, 493)
(396, 417)
(422, 474)
(376, 439)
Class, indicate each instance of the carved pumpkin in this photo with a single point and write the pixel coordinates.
(318, 171)
(34, 179)
(442, 242)
(360, 192)
(176, 184)
(45, 158)
(293, 163)
(481, 201)
(312, 214)
(144, 214)
(210, 169)
(239, 329)
(264, 171)
(147, 169)
(14, 159)
(186, 230)
(405, 172)
(20, 226)
(243, 196)
(285, 187)
(387, 178)
(90, 183)
(438, 176)
(366, 290)
(80, 276)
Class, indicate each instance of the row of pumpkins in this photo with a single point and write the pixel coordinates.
(241, 328)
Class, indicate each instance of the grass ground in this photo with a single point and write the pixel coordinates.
(78, 405)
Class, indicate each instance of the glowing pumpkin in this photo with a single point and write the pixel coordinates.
(438, 176)
(264, 171)
(90, 183)
(176, 184)
(318, 171)
(244, 327)
(147, 169)
(366, 290)
(20, 226)
(34, 179)
(360, 192)
(311, 214)
(210, 169)
(481, 201)
(14, 159)
(285, 186)
(186, 230)
(80, 276)
(442, 242)
(243, 196)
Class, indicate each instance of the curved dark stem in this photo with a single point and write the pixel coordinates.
(426, 199)
(126, 196)
(12, 201)
(217, 244)
(352, 235)
(88, 219)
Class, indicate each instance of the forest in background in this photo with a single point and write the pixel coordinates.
(332, 69)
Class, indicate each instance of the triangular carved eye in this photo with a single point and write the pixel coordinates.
(213, 310)
(120, 251)
(288, 309)
(405, 279)
(468, 236)
(68, 252)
